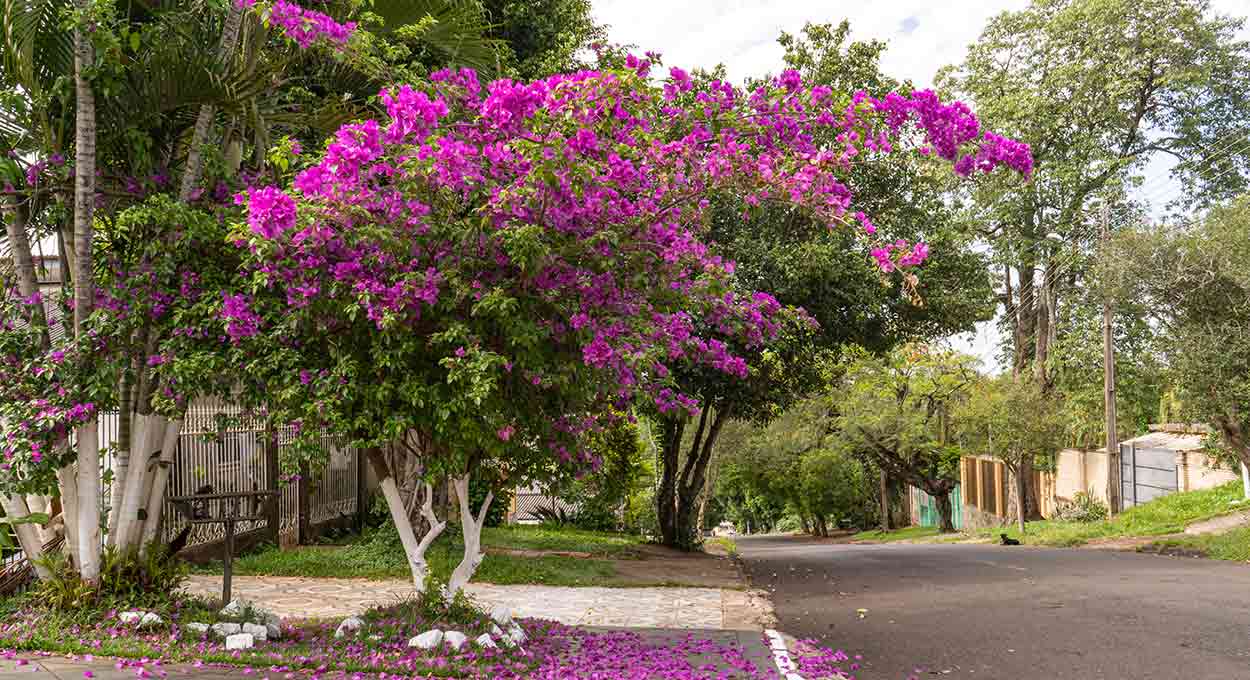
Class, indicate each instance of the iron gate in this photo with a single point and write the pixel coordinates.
(1146, 474)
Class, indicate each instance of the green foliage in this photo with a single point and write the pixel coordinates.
(431, 604)
(1196, 282)
(602, 497)
(498, 510)
(1012, 419)
(1083, 507)
(543, 36)
(897, 412)
(127, 581)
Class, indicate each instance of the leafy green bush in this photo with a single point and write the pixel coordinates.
(128, 579)
(1083, 507)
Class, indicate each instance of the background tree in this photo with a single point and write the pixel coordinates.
(896, 411)
(1015, 420)
(1172, 81)
(1195, 281)
(829, 274)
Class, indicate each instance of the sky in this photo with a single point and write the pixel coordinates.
(922, 35)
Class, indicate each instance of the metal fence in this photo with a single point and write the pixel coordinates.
(235, 459)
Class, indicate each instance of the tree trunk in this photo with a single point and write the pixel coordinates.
(151, 429)
(203, 122)
(160, 484)
(1021, 515)
(805, 525)
(88, 445)
(471, 529)
(27, 536)
(666, 494)
(24, 267)
(414, 549)
(67, 481)
(946, 512)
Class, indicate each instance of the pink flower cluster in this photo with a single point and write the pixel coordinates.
(305, 26)
(582, 198)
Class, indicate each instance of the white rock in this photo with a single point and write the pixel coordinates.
(273, 630)
(130, 617)
(349, 625)
(225, 629)
(240, 641)
(196, 628)
(501, 615)
(232, 608)
(150, 620)
(496, 631)
(516, 634)
(455, 639)
(257, 631)
(427, 640)
(485, 641)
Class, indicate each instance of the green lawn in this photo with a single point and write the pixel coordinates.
(903, 534)
(378, 554)
(1167, 515)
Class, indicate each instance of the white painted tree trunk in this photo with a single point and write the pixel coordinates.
(471, 528)
(88, 444)
(160, 484)
(39, 504)
(89, 502)
(414, 550)
(27, 536)
(129, 523)
(67, 478)
(121, 468)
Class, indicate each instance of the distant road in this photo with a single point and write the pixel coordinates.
(1001, 613)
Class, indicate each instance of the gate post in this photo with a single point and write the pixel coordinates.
(362, 489)
(274, 514)
(304, 502)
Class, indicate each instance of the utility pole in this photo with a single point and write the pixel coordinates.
(1108, 381)
(885, 501)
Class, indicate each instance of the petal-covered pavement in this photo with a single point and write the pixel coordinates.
(684, 608)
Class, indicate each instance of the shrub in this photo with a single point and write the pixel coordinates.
(1083, 507)
(152, 580)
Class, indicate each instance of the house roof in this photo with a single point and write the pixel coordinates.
(1171, 441)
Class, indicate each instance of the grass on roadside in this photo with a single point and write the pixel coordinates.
(904, 534)
(1232, 545)
(378, 554)
(725, 543)
(1167, 515)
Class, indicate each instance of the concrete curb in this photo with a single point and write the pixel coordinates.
(781, 655)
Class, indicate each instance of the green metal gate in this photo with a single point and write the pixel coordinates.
(929, 515)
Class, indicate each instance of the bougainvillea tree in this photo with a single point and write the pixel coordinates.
(496, 267)
(135, 260)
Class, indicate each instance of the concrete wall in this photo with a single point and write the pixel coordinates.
(1077, 471)
(1196, 470)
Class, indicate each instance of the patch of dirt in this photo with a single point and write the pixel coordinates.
(1127, 543)
(654, 564)
(1171, 550)
(516, 552)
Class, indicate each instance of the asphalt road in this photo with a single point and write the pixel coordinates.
(1008, 613)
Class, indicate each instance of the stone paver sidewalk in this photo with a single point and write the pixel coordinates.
(683, 608)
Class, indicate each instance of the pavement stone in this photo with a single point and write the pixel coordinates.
(680, 608)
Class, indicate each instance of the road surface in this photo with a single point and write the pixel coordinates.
(1008, 613)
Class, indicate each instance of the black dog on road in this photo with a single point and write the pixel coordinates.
(1008, 541)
